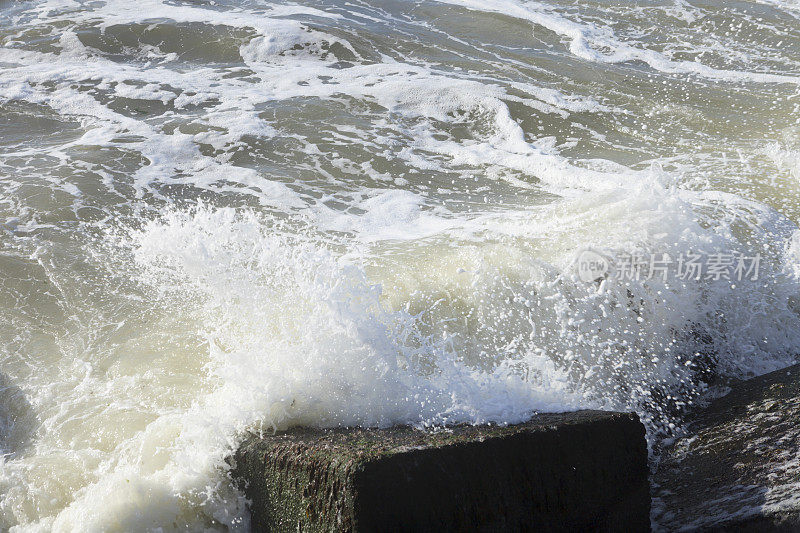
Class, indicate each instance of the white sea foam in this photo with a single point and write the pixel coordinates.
(216, 217)
(587, 40)
(294, 335)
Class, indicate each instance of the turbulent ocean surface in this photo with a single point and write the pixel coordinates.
(233, 214)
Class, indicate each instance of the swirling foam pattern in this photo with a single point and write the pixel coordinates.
(233, 214)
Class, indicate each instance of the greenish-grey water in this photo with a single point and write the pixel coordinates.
(216, 215)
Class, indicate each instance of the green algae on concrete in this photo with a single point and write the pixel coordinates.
(568, 471)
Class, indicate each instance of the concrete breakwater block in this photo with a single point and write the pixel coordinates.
(738, 469)
(585, 470)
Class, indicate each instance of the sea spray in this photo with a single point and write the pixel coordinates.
(243, 215)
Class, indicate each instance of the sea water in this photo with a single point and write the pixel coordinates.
(226, 215)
